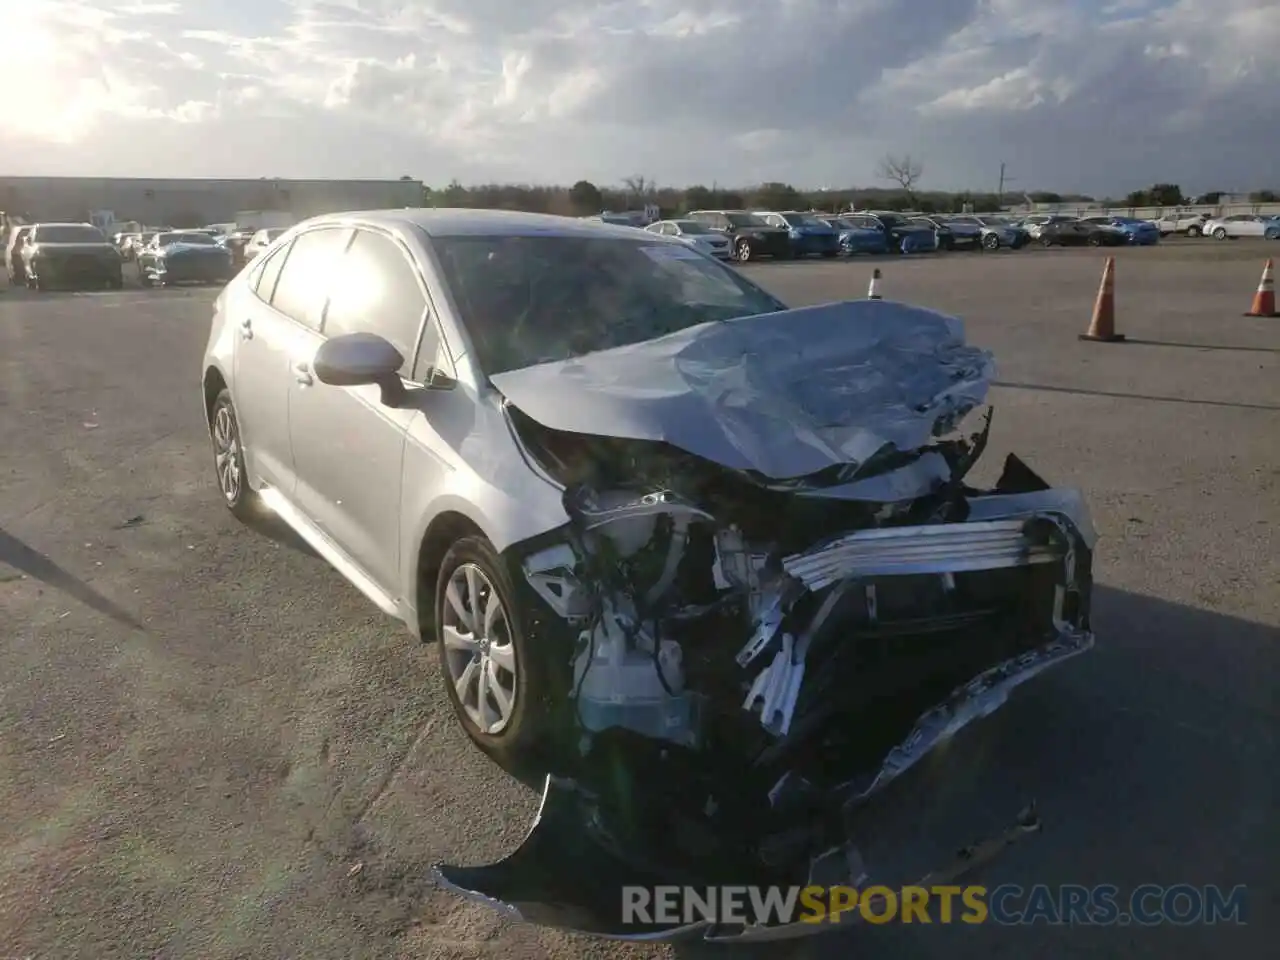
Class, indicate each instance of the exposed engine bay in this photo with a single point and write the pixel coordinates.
(749, 661)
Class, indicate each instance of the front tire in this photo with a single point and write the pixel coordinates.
(1193, 232)
(228, 459)
(492, 677)
(742, 251)
(1220, 233)
(991, 242)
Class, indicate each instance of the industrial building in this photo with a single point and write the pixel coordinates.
(195, 202)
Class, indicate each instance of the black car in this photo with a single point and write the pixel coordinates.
(750, 235)
(1076, 233)
(71, 255)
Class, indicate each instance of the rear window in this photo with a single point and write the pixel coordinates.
(68, 233)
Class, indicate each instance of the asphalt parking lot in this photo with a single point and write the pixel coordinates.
(211, 746)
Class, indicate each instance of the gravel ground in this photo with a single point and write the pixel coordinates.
(211, 746)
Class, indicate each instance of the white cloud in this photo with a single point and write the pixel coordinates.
(1101, 95)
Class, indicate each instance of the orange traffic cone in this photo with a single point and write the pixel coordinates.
(873, 289)
(1264, 301)
(1103, 326)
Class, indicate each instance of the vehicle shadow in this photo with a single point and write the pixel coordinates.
(32, 563)
(1152, 759)
(269, 525)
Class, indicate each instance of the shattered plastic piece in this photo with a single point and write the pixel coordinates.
(550, 573)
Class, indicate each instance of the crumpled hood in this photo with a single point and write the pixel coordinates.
(784, 394)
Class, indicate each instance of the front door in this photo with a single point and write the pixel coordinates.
(348, 447)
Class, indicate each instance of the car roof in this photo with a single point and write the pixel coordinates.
(465, 222)
(59, 224)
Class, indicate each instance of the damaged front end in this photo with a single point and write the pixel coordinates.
(756, 660)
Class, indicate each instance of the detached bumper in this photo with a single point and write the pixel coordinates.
(571, 874)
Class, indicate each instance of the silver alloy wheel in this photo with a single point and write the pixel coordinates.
(481, 659)
(226, 453)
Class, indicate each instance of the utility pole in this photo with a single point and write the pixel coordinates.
(1000, 190)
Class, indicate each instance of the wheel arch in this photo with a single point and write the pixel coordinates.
(214, 383)
(444, 530)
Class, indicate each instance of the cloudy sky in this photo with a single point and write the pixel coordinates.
(1100, 96)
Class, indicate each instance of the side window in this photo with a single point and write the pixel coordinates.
(264, 284)
(670, 230)
(375, 289)
(304, 282)
(722, 222)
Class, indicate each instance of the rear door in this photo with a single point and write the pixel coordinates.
(348, 447)
(261, 384)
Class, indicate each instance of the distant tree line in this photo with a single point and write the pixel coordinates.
(585, 198)
(902, 172)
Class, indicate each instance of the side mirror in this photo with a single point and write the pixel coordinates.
(357, 359)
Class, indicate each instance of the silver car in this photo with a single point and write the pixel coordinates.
(703, 558)
(696, 234)
(1242, 225)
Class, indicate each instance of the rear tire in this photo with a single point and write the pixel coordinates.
(1193, 231)
(742, 251)
(991, 242)
(485, 654)
(230, 472)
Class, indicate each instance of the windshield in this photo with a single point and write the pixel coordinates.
(68, 233)
(538, 299)
(165, 239)
(745, 220)
(692, 226)
(804, 220)
(993, 221)
(889, 219)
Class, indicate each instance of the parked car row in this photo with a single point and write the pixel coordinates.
(745, 235)
(44, 256)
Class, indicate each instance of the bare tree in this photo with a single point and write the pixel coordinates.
(638, 186)
(903, 170)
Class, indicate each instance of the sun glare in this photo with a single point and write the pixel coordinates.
(51, 97)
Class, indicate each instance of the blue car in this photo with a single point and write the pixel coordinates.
(1138, 233)
(188, 256)
(809, 233)
(858, 239)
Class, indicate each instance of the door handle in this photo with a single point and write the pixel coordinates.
(302, 373)
(246, 329)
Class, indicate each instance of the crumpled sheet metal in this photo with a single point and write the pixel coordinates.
(784, 394)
